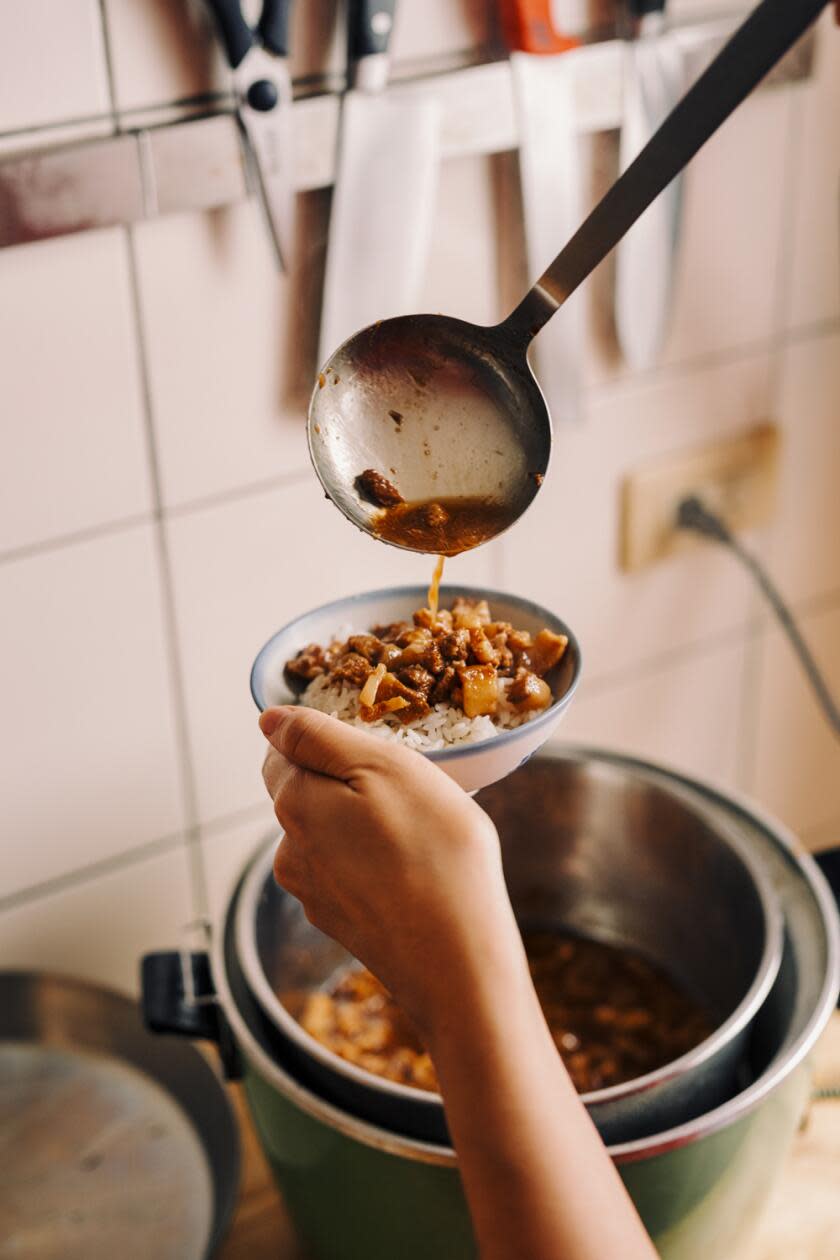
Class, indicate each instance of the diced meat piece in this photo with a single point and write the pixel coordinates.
(391, 632)
(547, 651)
(470, 613)
(444, 620)
(353, 669)
(527, 692)
(442, 690)
(377, 489)
(455, 646)
(478, 683)
(310, 662)
(423, 617)
(425, 653)
(418, 679)
(391, 688)
(504, 654)
(481, 649)
(367, 645)
(389, 653)
(497, 627)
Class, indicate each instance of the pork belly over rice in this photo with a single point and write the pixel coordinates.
(458, 659)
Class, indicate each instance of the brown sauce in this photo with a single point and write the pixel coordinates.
(612, 1015)
(445, 527)
(434, 587)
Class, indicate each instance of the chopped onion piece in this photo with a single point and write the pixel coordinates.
(367, 696)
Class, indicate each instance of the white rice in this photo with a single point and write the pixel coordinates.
(444, 726)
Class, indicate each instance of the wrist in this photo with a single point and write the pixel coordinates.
(483, 982)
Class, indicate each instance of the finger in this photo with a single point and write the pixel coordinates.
(315, 741)
(289, 870)
(276, 771)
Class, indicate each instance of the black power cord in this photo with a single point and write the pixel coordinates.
(692, 514)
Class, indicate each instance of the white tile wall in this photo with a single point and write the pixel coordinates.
(564, 552)
(53, 64)
(129, 624)
(72, 443)
(89, 766)
(226, 849)
(98, 930)
(162, 51)
(692, 714)
(804, 544)
(796, 753)
(223, 342)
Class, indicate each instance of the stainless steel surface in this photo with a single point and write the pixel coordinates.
(459, 365)
(590, 848)
(58, 191)
(798, 1006)
(112, 1142)
(54, 192)
(468, 408)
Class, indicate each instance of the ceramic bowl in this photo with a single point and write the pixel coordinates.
(472, 766)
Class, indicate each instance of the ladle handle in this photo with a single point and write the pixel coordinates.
(762, 40)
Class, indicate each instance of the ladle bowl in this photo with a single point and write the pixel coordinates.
(442, 408)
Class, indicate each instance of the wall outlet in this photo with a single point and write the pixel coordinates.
(736, 478)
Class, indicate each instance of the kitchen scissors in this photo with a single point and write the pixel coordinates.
(259, 58)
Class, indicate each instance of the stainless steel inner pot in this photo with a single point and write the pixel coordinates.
(589, 846)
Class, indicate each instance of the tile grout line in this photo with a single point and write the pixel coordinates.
(57, 542)
(105, 529)
(633, 381)
(614, 680)
(177, 691)
(93, 871)
(134, 856)
(218, 498)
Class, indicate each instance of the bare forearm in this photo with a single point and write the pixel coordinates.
(539, 1182)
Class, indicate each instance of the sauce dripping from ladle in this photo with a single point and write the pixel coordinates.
(434, 588)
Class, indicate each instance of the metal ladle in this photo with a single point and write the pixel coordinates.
(445, 408)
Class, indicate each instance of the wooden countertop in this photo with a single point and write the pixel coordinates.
(802, 1219)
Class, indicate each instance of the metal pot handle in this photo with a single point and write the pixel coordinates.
(178, 996)
(828, 860)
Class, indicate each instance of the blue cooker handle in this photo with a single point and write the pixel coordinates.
(166, 1007)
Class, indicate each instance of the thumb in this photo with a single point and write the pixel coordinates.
(315, 741)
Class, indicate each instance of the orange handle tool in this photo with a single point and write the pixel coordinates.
(527, 26)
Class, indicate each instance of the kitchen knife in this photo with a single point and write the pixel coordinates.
(549, 167)
(259, 59)
(654, 80)
(385, 186)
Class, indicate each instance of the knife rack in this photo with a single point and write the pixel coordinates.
(198, 163)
